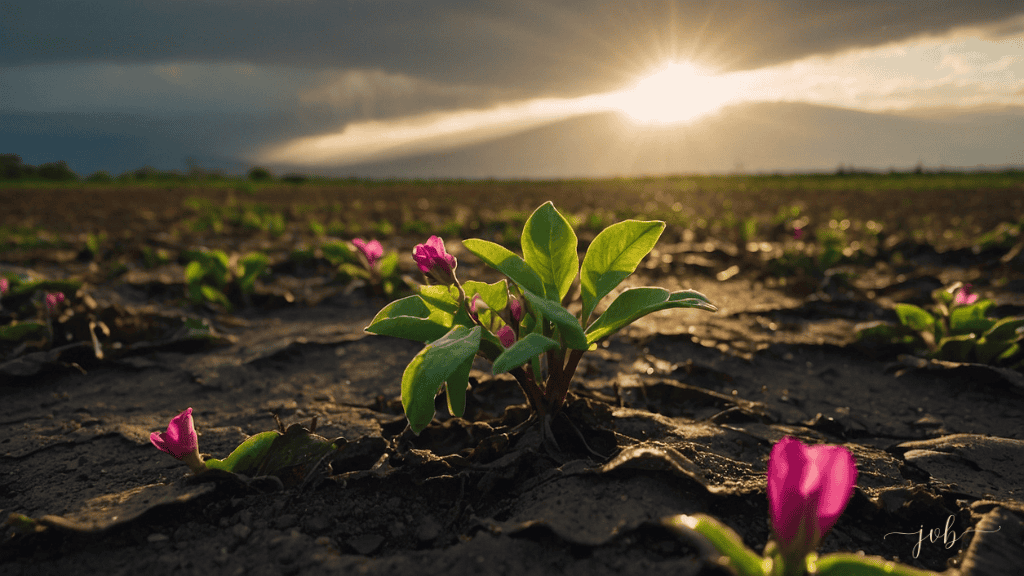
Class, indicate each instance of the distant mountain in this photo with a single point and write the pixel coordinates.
(753, 137)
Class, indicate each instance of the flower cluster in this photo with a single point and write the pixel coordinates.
(53, 299)
(434, 261)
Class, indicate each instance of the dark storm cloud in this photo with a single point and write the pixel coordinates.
(567, 47)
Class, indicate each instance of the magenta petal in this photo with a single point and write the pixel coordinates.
(808, 489)
(506, 336)
(424, 256)
(180, 438)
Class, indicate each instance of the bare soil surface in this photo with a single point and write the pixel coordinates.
(675, 415)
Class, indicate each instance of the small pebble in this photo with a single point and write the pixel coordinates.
(154, 538)
(241, 531)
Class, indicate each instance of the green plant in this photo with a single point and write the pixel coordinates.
(210, 275)
(524, 328)
(956, 329)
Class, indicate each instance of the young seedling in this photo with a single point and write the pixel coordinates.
(957, 329)
(524, 328)
(210, 274)
(292, 454)
(808, 489)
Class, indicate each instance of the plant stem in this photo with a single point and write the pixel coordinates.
(560, 378)
(530, 389)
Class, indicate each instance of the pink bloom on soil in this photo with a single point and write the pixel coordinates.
(372, 250)
(506, 336)
(964, 296)
(4, 285)
(808, 488)
(180, 439)
(54, 298)
(433, 259)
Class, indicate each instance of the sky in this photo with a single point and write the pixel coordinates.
(516, 89)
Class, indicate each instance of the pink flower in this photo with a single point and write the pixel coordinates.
(53, 299)
(516, 308)
(434, 260)
(798, 233)
(964, 296)
(473, 305)
(180, 441)
(506, 336)
(808, 488)
(4, 285)
(372, 250)
(180, 438)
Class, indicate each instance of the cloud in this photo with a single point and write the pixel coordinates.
(536, 47)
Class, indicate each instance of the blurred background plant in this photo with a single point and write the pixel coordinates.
(212, 276)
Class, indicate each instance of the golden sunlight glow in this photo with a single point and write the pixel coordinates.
(679, 92)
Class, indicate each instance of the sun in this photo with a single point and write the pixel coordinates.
(678, 92)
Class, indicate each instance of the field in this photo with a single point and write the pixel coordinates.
(676, 414)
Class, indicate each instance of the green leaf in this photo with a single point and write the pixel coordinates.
(613, 255)
(251, 265)
(1010, 352)
(956, 348)
(970, 318)
(337, 252)
(411, 318)
(507, 262)
(494, 295)
(455, 388)
(271, 453)
(388, 264)
(880, 332)
(549, 247)
(246, 458)
(442, 297)
(846, 564)
(211, 294)
(427, 371)
(522, 351)
(985, 349)
(1006, 329)
(21, 331)
(635, 303)
(915, 318)
(568, 325)
(742, 560)
(17, 289)
(194, 272)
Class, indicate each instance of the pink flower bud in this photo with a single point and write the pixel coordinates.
(798, 233)
(506, 336)
(808, 488)
(53, 299)
(433, 259)
(516, 308)
(964, 296)
(372, 250)
(4, 285)
(180, 438)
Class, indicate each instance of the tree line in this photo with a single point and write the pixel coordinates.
(13, 168)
